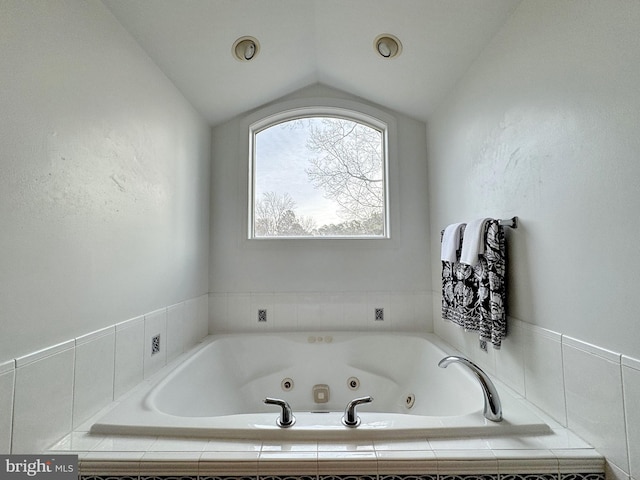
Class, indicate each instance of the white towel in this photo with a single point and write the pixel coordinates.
(473, 242)
(450, 242)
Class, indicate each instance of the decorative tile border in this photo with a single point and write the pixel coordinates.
(529, 476)
(287, 477)
(347, 477)
(237, 312)
(582, 476)
(173, 477)
(226, 478)
(408, 477)
(469, 477)
(510, 476)
(98, 477)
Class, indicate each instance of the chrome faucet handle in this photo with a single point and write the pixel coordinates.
(492, 404)
(350, 417)
(286, 414)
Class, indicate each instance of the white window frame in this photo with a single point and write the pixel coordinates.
(314, 111)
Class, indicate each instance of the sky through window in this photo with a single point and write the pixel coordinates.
(319, 177)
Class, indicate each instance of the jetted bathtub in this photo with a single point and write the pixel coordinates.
(219, 391)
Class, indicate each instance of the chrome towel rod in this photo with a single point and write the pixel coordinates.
(509, 222)
(506, 222)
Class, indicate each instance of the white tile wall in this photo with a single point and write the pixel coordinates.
(402, 310)
(595, 408)
(545, 366)
(612, 472)
(355, 310)
(176, 331)
(43, 399)
(322, 311)
(93, 383)
(202, 319)
(7, 379)
(263, 301)
(510, 360)
(631, 382)
(384, 301)
(543, 373)
(239, 316)
(45, 394)
(285, 311)
(291, 311)
(591, 390)
(423, 303)
(129, 361)
(155, 323)
(197, 319)
(218, 313)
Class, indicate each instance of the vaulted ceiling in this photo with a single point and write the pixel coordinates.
(303, 42)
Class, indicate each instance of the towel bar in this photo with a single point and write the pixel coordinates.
(507, 222)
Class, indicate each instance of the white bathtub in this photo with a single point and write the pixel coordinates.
(218, 391)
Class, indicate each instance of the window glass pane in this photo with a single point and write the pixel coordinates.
(319, 177)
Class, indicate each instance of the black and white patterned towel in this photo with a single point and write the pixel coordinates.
(475, 297)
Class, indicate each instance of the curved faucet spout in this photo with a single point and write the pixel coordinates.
(286, 414)
(350, 417)
(492, 404)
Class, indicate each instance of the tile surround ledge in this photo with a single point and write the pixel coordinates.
(44, 353)
(8, 366)
(487, 464)
(559, 455)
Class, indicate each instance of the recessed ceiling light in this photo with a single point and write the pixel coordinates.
(245, 49)
(387, 46)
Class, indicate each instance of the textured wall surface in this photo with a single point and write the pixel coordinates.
(245, 266)
(105, 177)
(544, 126)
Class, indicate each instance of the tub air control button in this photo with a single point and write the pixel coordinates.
(321, 393)
(286, 384)
(353, 383)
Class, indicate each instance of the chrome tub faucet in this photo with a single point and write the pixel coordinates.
(492, 405)
(286, 414)
(350, 417)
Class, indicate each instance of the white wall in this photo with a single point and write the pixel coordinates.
(104, 178)
(544, 126)
(312, 277)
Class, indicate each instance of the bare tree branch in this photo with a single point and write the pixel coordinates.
(275, 217)
(349, 167)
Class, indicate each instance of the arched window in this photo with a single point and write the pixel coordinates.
(318, 173)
